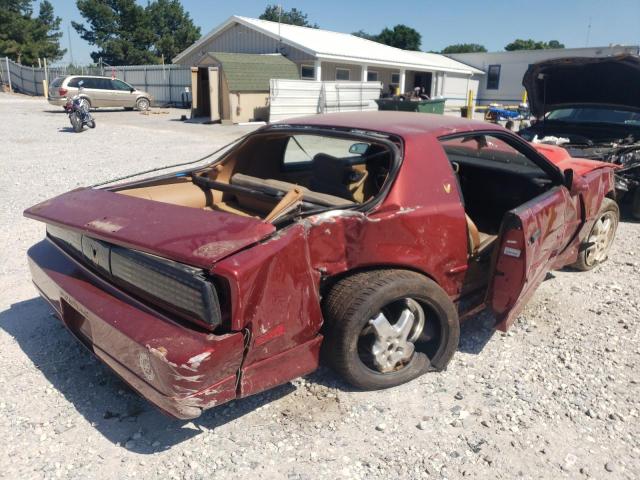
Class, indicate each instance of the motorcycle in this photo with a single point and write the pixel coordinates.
(78, 110)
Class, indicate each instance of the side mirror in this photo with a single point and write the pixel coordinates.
(132, 89)
(575, 184)
(359, 148)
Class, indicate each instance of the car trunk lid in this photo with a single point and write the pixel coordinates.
(604, 81)
(192, 236)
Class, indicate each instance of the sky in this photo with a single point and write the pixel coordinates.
(492, 23)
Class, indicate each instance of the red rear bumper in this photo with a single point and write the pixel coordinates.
(179, 369)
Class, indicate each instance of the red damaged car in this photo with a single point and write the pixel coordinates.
(367, 236)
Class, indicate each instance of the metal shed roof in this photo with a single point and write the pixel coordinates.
(341, 47)
(248, 72)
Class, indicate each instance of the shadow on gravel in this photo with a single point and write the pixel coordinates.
(119, 413)
(66, 130)
(475, 333)
(105, 401)
(93, 110)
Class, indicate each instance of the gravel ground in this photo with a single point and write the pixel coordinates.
(558, 396)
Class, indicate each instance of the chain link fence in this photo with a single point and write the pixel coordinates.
(165, 83)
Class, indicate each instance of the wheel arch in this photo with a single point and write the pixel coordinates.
(328, 282)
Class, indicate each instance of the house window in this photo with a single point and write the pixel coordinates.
(372, 76)
(395, 78)
(493, 77)
(307, 72)
(343, 74)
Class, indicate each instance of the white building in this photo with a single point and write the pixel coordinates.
(502, 82)
(329, 56)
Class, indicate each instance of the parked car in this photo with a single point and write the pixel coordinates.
(99, 92)
(591, 106)
(366, 235)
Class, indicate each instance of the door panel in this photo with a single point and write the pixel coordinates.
(531, 236)
(121, 95)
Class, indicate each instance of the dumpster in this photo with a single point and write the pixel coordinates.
(422, 106)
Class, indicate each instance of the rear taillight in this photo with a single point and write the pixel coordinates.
(181, 289)
(63, 92)
(173, 284)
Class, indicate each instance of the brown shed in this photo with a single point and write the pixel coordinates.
(237, 85)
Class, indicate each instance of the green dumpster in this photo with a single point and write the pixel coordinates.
(422, 106)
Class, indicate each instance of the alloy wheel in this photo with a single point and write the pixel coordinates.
(387, 343)
(600, 238)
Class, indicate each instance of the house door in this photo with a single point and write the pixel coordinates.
(423, 80)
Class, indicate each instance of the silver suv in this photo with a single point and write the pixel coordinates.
(98, 92)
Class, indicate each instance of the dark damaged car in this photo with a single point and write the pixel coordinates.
(368, 237)
(591, 106)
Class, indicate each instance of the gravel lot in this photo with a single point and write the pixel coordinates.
(556, 397)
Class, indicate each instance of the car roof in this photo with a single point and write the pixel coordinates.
(90, 76)
(402, 124)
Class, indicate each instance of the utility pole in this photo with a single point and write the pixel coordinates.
(588, 32)
(69, 39)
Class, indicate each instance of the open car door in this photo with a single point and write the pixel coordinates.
(531, 236)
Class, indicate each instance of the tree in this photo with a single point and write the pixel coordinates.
(464, 48)
(363, 34)
(555, 44)
(129, 34)
(275, 13)
(172, 27)
(119, 28)
(530, 44)
(25, 38)
(47, 33)
(400, 36)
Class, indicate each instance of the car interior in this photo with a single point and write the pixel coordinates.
(493, 178)
(274, 174)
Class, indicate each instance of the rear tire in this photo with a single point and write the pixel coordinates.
(85, 102)
(91, 124)
(356, 301)
(595, 249)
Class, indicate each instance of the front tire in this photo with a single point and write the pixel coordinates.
(387, 327)
(595, 249)
(76, 122)
(143, 104)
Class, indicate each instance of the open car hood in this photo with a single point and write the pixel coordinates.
(192, 236)
(605, 81)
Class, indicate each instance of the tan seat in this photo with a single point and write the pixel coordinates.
(308, 195)
(478, 241)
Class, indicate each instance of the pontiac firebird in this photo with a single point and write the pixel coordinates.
(360, 238)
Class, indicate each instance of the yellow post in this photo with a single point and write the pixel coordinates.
(524, 97)
(45, 88)
(470, 105)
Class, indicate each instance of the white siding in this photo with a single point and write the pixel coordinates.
(513, 66)
(240, 39)
(456, 89)
(296, 98)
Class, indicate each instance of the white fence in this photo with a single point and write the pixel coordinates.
(165, 83)
(296, 98)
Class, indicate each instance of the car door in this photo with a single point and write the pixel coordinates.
(92, 88)
(531, 236)
(121, 94)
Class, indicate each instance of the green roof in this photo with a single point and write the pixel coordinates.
(248, 72)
